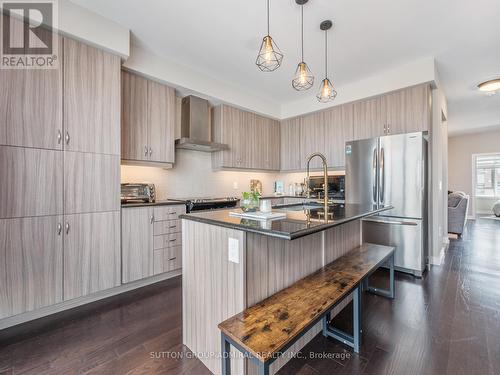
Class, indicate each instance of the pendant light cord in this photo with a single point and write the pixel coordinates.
(267, 17)
(326, 53)
(302, 32)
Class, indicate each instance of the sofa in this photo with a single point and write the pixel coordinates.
(458, 207)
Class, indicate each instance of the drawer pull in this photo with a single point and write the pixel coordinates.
(175, 239)
(173, 226)
(172, 258)
(173, 213)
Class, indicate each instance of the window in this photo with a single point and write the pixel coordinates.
(488, 175)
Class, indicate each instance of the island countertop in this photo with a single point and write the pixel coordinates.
(301, 220)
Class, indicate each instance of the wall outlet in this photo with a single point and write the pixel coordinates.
(233, 250)
(235, 185)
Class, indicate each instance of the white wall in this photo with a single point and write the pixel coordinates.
(438, 164)
(192, 176)
(414, 73)
(460, 151)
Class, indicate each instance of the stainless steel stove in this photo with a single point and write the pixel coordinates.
(200, 204)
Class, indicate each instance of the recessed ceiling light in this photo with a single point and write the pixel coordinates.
(490, 86)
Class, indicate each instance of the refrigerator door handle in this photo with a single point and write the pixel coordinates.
(393, 222)
(382, 176)
(374, 176)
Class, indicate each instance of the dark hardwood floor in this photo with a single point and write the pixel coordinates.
(446, 323)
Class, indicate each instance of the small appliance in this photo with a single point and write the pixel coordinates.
(336, 187)
(137, 192)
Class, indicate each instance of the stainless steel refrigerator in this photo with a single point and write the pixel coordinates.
(392, 171)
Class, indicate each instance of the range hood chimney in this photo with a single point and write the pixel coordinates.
(195, 127)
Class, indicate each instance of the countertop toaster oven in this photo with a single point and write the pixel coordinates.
(137, 193)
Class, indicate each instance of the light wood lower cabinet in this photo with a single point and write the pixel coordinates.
(91, 182)
(91, 253)
(31, 259)
(137, 243)
(30, 182)
(151, 239)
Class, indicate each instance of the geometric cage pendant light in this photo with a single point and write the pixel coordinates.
(303, 78)
(270, 56)
(326, 91)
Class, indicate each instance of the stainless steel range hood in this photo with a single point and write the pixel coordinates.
(195, 127)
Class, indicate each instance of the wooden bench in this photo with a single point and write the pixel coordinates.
(266, 330)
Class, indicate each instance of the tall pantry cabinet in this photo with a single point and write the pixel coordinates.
(60, 179)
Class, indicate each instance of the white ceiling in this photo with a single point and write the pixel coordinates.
(220, 38)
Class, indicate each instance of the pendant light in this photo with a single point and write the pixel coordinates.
(303, 78)
(326, 91)
(270, 56)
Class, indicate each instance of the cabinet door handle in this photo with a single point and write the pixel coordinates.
(150, 151)
(175, 239)
(145, 150)
(152, 219)
(388, 128)
(59, 137)
(385, 129)
(172, 258)
(173, 226)
(173, 213)
(67, 138)
(67, 228)
(59, 229)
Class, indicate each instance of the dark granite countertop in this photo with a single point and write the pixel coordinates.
(168, 202)
(301, 220)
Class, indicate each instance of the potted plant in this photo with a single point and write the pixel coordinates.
(250, 201)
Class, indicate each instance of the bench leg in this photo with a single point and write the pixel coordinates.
(225, 355)
(353, 341)
(389, 293)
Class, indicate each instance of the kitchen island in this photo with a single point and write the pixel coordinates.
(230, 263)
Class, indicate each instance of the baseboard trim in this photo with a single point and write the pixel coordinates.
(438, 259)
(67, 305)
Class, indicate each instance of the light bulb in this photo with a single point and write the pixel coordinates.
(268, 55)
(326, 91)
(303, 73)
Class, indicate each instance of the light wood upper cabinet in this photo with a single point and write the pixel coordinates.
(408, 110)
(31, 101)
(32, 264)
(148, 120)
(91, 253)
(403, 111)
(312, 138)
(137, 243)
(272, 147)
(290, 153)
(91, 99)
(250, 139)
(369, 122)
(339, 130)
(91, 182)
(31, 182)
(134, 136)
(161, 110)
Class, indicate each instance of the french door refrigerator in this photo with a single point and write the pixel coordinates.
(392, 171)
